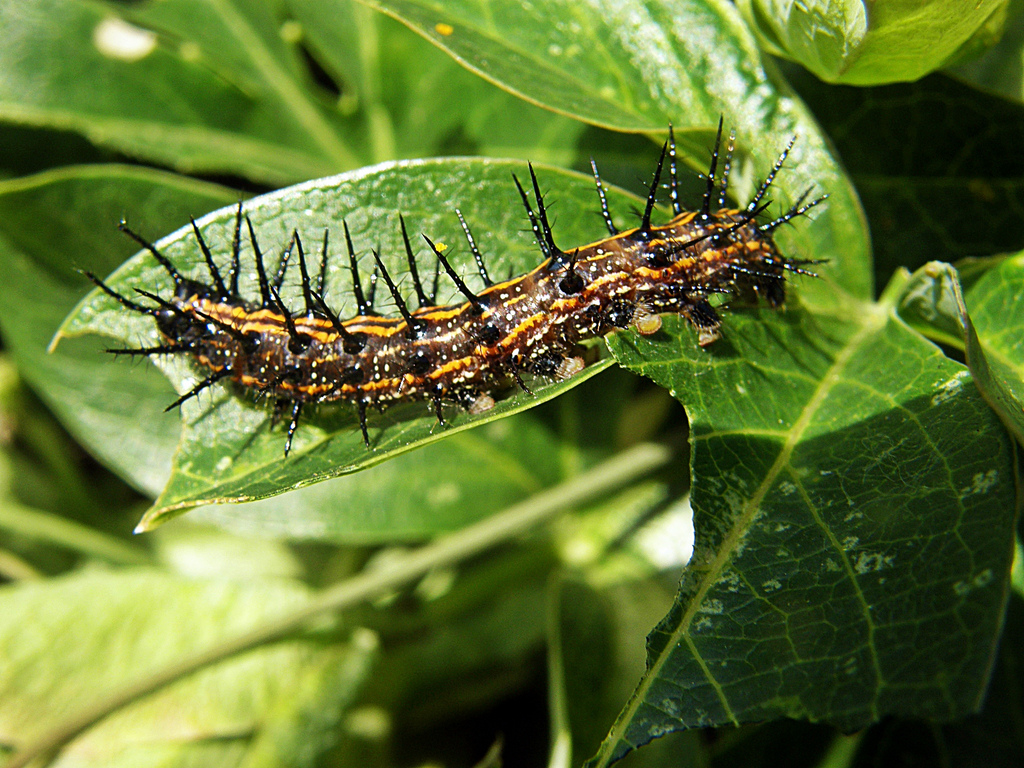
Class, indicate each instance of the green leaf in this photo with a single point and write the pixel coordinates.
(640, 66)
(228, 451)
(52, 225)
(91, 634)
(995, 305)
(116, 409)
(449, 484)
(854, 525)
(847, 41)
(200, 87)
(932, 302)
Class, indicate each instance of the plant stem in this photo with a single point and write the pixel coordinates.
(63, 532)
(621, 469)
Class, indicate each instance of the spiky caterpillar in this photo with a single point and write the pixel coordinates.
(466, 352)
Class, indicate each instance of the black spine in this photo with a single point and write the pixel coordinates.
(477, 256)
(421, 295)
(213, 378)
(161, 259)
(322, 277)
(307, 289)
(763, 189)
(463, 289)
(357, 286)
(261, 273)
(352, 343)
(361, 412)
(729, 149)
(645, 222)
(558, 257)
(371, 293)
(514, 365)
(415, 326)
(164, 304)
(673, 173)
(798, 209)
(438, 407)
(122, 300)
(236, 252)
(605, 213)
(534, 225)
(164, 349)
(230, 330)
(282, 266)
(211, 266)
(292, 425)
(709, 190)
(297, 342)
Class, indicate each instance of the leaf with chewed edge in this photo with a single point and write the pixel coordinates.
(853, 532)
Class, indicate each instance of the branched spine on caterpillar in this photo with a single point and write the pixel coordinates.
(465, 352)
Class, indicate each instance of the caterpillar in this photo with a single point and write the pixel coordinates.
(468, 352)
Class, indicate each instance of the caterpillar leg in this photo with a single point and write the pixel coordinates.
(706, 320)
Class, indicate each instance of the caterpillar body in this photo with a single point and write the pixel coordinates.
(467, 352)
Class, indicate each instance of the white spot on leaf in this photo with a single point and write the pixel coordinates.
(982, 482)
(867, 562)
(983, 579)
(117, 39)
(949, 389)
(714, 607)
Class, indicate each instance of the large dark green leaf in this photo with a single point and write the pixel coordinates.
(854, 519)
(640, 66)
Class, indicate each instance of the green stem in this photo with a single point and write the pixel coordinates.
(54, 529)
(561, 734)
(14, 568)
(447, 550)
